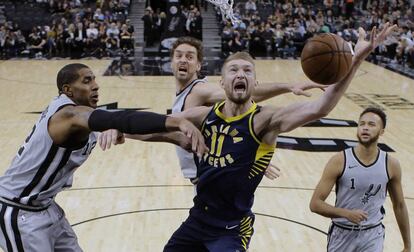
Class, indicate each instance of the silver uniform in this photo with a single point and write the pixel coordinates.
(38, 172)
(186, 159)
(365, 188)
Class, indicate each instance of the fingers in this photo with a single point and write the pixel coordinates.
(272, 172)
(301, 92)
(114, 136)
(274, 166)
(373, 35)
(101, 141)
(364, 215)
(361, 33)
(105, 140)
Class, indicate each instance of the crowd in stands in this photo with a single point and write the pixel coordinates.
(77, 28)
(280, 28)
(190, 22)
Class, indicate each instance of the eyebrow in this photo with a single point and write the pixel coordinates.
(91, 77)
(232, 65)
(191, 52)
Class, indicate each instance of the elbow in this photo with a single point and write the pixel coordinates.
(313, 206)
(323, 111)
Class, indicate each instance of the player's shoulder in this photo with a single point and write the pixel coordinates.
(70, 111)
(338, 158)
(336, 164)
(393, 165)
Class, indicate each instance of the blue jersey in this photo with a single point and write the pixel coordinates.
(232, 170)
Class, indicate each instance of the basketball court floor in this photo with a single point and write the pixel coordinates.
(133, 197)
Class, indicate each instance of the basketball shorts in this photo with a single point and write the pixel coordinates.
(370, 239)
(196, 236)
(26, 230)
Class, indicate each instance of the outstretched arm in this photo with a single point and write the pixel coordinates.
(208, 93)
(318, 205)
(268, 90)
(195, 115)
(295, 115)
(398, 202)
(80, 120)
(114, 137)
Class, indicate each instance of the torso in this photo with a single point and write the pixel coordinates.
(363, 186)
(187, 160)
(41, 168)
(230, 173)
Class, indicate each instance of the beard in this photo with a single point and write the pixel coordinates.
(239, 100)
(368, 142)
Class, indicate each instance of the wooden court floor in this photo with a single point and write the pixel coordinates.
(132, 197)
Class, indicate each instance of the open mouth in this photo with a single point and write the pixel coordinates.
(182, 69)
(240, 87)
(95, 98)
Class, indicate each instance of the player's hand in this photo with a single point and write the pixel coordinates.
(406, 250)
(356, 216)
(272, 172)
(184, 142)
(364, 47)
(109, 137)
(197, 140)
(300, 89)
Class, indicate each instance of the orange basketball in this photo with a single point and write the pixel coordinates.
(326, 58)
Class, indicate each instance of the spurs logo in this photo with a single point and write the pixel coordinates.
(369, 193)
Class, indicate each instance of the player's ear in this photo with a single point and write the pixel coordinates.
(198, 67)
(382, 131)
(67, 90)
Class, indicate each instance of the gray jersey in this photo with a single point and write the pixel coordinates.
(41, 169)
(186, 159)
(363, 187)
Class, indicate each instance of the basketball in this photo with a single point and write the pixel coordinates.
(326, 58)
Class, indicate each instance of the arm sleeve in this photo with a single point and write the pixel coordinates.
(130, 122)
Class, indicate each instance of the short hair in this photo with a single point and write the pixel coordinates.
(376, 111)
(68, 74)
(189, 41)
(238, 55)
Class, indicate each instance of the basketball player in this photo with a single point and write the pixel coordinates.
(192, 91)
(241, 139)
(362, 176)
(60, 141)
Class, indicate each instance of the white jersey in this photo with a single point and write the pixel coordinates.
(42, 169)
(186, 159)
(363, 187)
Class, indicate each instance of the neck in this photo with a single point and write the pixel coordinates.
(366, 152)
(182, 84)
(231, 109)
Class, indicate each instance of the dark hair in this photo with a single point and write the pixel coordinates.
(68, 74)
(189, 41)
(378, 112)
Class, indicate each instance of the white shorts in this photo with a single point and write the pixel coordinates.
(46, 230)
(355, 240)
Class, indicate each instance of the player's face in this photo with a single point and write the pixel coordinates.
(239, 80)
(369, 129)
(85, 89)
(184, 63)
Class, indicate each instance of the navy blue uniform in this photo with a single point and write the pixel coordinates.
(221, 219)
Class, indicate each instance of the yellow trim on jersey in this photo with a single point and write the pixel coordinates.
(252, 130)
(233, 118)
(263, 150)
(246, 231)
(263, 157)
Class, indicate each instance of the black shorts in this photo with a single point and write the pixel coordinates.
(196, 236)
